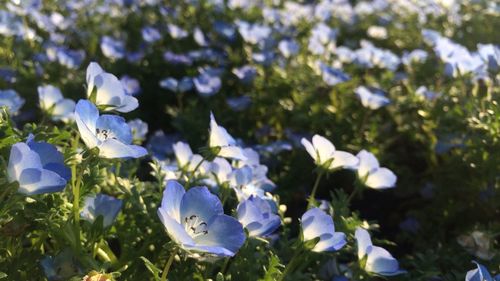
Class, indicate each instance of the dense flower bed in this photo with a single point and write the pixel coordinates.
(249, 140)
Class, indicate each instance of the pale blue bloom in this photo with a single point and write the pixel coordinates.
(378, 260)
(371, 174)
(109, 133)
(415, 56)
(176, 32)
(480, 274)
(139, 129)
(61, 267)
(326, 155)
(224, 142)
(239, 103)
(130, 85)
(371, 98)
(225, 29)
(174, 58)
(11, 100)
(257, 217)
(195, 220)
(110, 92)
(333, 76)
(38, 167)
(253, 33)
(288, 48)
(101, 205)
(199, 37)
(318, 224)
(150, 34)
(112, 48)
(207, 84)
(178, 86)
(52, 101)
(246, 73)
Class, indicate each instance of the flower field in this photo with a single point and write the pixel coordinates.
(249, 140)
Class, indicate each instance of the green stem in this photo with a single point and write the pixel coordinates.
(167, 266)
(194, 171)
(314, 189)
(76, 182)
(357, 188)
(291, 264)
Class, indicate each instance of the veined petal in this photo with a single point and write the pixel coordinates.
(112, 148)
(315, 223)
(174, 229)
(172, 196)
(22, 157)
(37, 181)
(116, 126)
(200, 202)
(223, 231)
(86, 115)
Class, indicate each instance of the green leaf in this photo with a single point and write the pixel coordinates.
(152, 268)
(273, 270)
(2, 275)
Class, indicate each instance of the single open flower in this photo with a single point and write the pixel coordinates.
(371, 174)
(52, 101)
(109, 91)
(101, 205)
(257, 216)
(371, 98)
(38, 167)
(195, 220)
(223, 142)
(318, 224)
(376, 259)
(109, 133)
(325, 155)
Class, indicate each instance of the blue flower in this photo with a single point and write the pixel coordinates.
(150, 34)
(317, 224)
(38, 167)
(288, 48)
(239, 103)
(11, 100)
(246, 73)
(174, 58)
(480, 274)
(101, 205)
(130, 85)
(110, 92)
(371, 98)
(371, 174)
(52, 101)
(176, 32)
(139, 129)
(195, 220)
(109, 133)
(333, 76)
(376, 259)
(257, 216)
(61, 267)
(112, 48)
(207, 84)
(326, 155)
(223, 141)
(174, 85)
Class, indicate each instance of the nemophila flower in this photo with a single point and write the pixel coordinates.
(375, 259)
(480, 274)
(318, 224)
(199, 37)
(176, 32)
(490, 54)
(195, 220)
(109, 91)
(207, 83)
(415, 56)
(178, 86)
(112, 48)
(257, 217)
(109, 133)
(38, 167)
(139, 129)
(101, 205)
(371, 98)
(246, 73)
(52, 101)
(61, 267)
(325, 155)
(150, 34)
(239, 103)
(332, 76)
(11, 100)
(187, 160)
(223, 142)
(371, 174)
(477, 243)
(130, 85)
(225, 29)
(253, 33)
(288, 48)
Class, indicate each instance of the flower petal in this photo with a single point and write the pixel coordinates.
(382, 178)
(86, 115)
(223, 231)
(200, 202)
(172, 197)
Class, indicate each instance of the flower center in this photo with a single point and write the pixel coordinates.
(194, 226)
(103, 134)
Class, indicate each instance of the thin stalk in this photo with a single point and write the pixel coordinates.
(76, 182)
(314, 189)
(194, 171)
(291, 264)
(167, 266)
